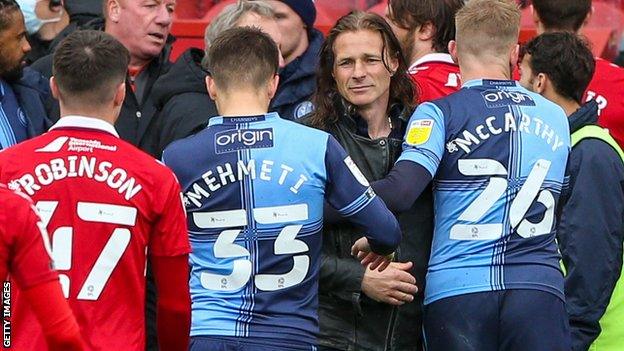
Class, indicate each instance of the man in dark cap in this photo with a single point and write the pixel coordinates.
(300, 46)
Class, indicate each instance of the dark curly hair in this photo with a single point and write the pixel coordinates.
(565, 58)
(6, 9)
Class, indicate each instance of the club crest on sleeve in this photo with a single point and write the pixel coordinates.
(419, 132)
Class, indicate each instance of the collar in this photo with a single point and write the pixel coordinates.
(85, 123)
(233, 120)
(491, 83)
(585, 115)
(435, 57)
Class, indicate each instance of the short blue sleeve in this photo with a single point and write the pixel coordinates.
(424, 138)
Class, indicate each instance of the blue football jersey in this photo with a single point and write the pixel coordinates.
(253, 188)
(497, 153)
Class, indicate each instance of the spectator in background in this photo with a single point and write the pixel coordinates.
(424, 29)
(301, 44)
(45, 19)
(607, 84)
(181, 97)
(143, 28)
(364, 98)
(559, 66)
(24, 93)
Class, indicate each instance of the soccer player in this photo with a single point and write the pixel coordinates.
(497, 155)
(254, 186)
(424, 29)
(107, 206)
(607, 84)
(559, 66)
(24, 254)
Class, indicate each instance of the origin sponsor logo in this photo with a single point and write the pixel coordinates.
(239, 139)
(501, 98)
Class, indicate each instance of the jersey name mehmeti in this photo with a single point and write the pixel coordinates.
(254, 195)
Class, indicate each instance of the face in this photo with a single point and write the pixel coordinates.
(359, 72)
(527, 79)
(290, 25)
(405, 36)
(267, 25)
(142, 26)
(13, 47)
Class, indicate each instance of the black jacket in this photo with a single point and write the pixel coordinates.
(298, 82)
(184, 106)
(591, 229)
(33, 96)
(136, 123)
(349, 320)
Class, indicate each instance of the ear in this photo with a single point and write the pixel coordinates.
(589, 16)
(211, 86)
(426, 31)
(113, 9)
(120, 94)
(54, 88)
(452, 48)
(514, 55)
(540, 83)
(273, 83)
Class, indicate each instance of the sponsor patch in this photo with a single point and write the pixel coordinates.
(240, 139)
(356, 171)
(502, 98)
(419, 132)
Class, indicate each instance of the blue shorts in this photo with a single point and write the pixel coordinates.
(510, 320)
(231, 343)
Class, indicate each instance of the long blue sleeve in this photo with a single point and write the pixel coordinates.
(349, 192)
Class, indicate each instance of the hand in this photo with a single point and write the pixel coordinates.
(361, 249)
(394, 286)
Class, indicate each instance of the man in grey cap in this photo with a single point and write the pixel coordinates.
(300, 46)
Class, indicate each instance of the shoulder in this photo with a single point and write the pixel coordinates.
(34, 80)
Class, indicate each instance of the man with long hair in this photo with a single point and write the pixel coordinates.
(254, 186)
(364, 98)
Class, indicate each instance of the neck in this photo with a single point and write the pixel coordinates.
(135, 61)
(49, 31)
(420, 51)
(302, 46)
(106, 114)
(568, 106)
(484, 70)
(376, 118)
(230, 104)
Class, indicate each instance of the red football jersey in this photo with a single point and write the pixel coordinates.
(24, 245)
(607, 88)
(105, 204)
(436, 76)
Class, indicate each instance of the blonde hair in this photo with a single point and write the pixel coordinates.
(487, 27)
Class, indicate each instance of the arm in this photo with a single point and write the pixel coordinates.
(174, 303)
(31, 268)
(349, 192)
(406, 178)
(53, 313)
(591, 222)
(169, 248)
(423, 148)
